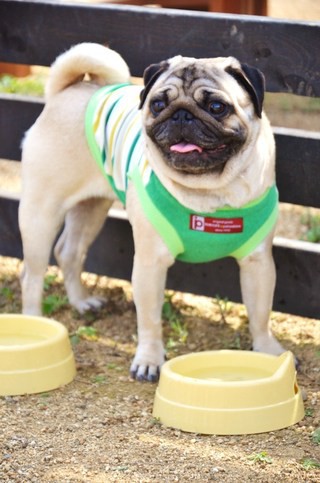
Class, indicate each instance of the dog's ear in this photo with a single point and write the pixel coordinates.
(150, 75)
(252, 80)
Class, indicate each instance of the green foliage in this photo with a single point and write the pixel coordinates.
(9, 301)
(49, 281)
(114, 367)
(154, 421)
(168, 310)
(52, 303)
(309, 412)
(7, 293)
(224, 305)
(179, 332)
(30, 85)
(310, 464)
(316, 436)
(99, 379)
(289, 102)
(85, 333)
(261, 457)
(312, 222)
(88, 333)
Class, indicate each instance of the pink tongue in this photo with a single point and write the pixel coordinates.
(185, 148)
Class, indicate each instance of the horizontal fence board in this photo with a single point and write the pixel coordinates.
(10, 239)
(298, 271)
(298, 152)
(298, 166)
(17, 115)
(284, 50)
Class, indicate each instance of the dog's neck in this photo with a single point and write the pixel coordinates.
(206, 200)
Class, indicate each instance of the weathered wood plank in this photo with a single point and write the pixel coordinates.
(298, 270)
(10, 239)
(283, 50)
(17, 114)
(298, 166)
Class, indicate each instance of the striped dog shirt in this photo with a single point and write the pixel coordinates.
(113, 129)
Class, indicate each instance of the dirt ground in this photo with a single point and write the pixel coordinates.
(100, 427)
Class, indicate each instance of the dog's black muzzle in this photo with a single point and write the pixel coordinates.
(192, 145)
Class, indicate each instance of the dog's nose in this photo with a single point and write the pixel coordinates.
(182, 115)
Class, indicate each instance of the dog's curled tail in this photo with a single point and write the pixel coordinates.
(103, 65)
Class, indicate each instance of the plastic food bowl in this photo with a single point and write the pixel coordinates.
(228, 392)
(35, 355)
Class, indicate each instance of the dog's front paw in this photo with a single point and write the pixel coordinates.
(89, 304)
(147, 362)
(268, 344)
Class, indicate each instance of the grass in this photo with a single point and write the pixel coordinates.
(9, 301)
(114, 367)
(310, 464)
(288, 102)
(52, 303)
(316, 436)
(7, 293)
(224, 305)
(49, 281)
(312, 223)
(179, 332)
(309, 412)
(86, 333)
(261, 457)
(99, 379)
(30, 85)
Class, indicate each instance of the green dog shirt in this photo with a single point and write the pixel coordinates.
(113, 130)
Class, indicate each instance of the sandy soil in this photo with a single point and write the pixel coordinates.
(100, 427)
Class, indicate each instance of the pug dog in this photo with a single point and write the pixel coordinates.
(191, 155)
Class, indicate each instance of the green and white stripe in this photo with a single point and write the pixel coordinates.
(113, 129)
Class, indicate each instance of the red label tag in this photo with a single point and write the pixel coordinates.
(216, 225)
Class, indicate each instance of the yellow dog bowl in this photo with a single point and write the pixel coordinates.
(35, 355)
(228, 392)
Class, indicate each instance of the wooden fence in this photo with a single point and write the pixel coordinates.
(35, 32)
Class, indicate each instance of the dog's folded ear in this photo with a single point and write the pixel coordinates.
(252, 80)
(150, 75)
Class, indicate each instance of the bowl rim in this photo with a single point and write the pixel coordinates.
(60, 333)
(168, 371)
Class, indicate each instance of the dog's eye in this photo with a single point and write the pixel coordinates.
(157, 106)
(217, 108)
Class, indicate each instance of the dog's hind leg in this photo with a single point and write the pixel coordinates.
(82, 225)
(38, 227)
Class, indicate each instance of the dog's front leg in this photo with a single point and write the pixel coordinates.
(151, 262)
(257, 277)
(148, 281)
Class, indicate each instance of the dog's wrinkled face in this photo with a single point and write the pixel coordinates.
(198, 112)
